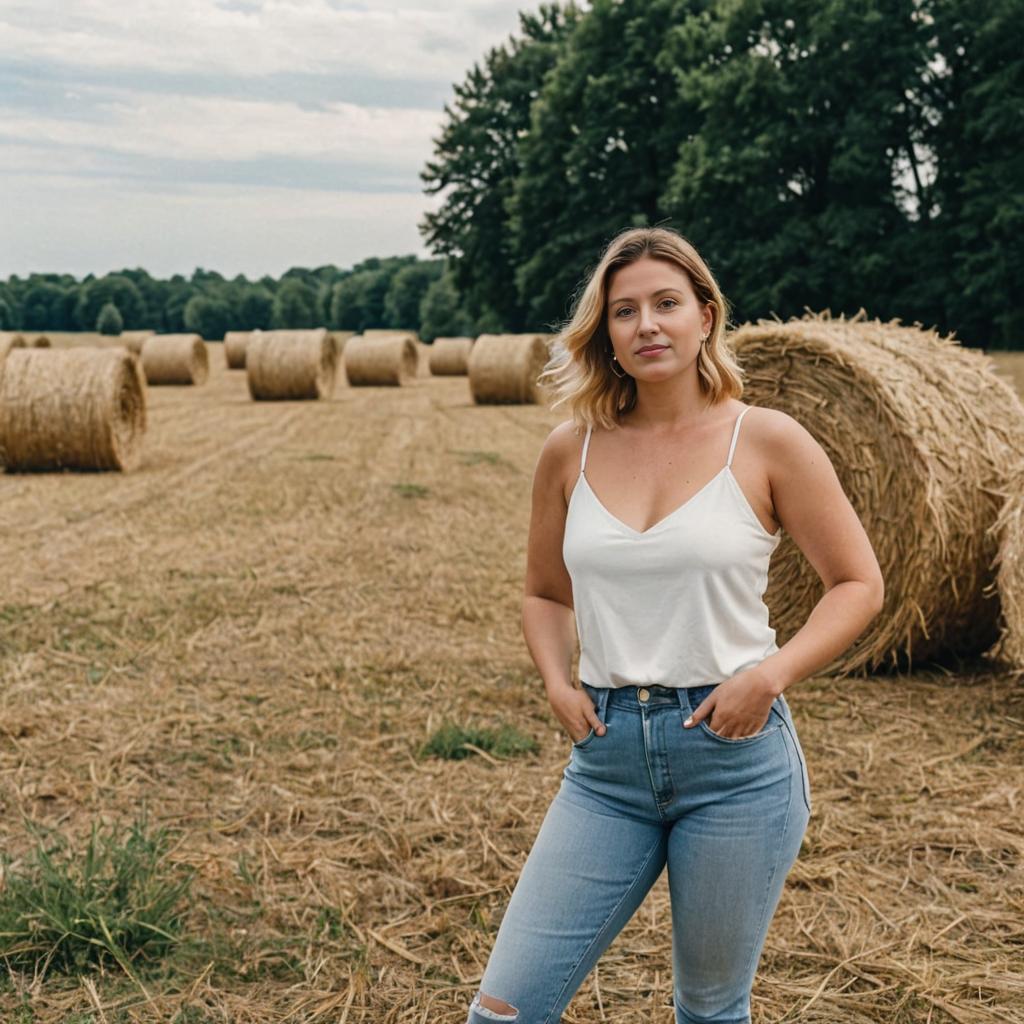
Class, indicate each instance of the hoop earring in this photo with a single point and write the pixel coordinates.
(614, 360)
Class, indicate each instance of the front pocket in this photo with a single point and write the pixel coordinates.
(770, 726)
(579, 744)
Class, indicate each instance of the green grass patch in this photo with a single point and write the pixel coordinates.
(410, 490)
(450, 742)
(115, 902)
(474, 457)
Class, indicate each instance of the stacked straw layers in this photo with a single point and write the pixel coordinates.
(923, 435)
(288, 365)
(449, 357)
(503, 368)
(381, 359)
(71, 409)
(175, 359)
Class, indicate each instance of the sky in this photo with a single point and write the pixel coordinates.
(243, 136)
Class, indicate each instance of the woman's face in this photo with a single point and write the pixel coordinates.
(655, 320)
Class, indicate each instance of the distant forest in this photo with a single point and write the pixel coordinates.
(399, 291)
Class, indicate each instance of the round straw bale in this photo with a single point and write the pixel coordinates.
(175, 359)
(234, 348)
(381, 359)
(282, 365)
(922, 433)
(132, 340)
(79, 408)
(449, 357)
(38, 341)
(1009, 564)
(503, 368)
(340, 340)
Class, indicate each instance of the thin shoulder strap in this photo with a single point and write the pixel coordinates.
(586, 445)
(736, 433)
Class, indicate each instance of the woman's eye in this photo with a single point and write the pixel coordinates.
(623, 309)
(673, 301)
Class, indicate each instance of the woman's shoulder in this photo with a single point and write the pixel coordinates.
(777, 434)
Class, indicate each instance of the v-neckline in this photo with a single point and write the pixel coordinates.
(654, 526)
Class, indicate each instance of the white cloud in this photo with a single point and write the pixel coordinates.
(395, 39)
(214, 128)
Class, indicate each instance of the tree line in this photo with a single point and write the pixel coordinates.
(819, 153)
(400, 292)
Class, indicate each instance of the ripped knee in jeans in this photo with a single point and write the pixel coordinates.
(487, 1007)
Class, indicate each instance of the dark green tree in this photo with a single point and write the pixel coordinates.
(476, 162)
(294, 305)
(406, 291)
(255, 309)
(207, 317)
(975, 262)
(440, 315)
(43, 308)
(6, 316)
(787, 186)
(114, 289)
(174, 307)
(603, 136)
(109, 320)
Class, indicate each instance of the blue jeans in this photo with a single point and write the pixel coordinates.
(726, 815)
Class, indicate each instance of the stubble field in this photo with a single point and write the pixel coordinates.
(254, 634)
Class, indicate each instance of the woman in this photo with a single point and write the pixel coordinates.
(656, 529)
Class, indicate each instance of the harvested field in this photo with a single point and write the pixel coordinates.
(255, 632)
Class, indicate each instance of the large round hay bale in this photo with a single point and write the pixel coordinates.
(503, 368)
(449, 357)
(175, 359)
(922, 433)
(381, 359)
(38, 341)
(132, 340)
(79, 408)
(1008, 531)
(285, 365)
(234, 348)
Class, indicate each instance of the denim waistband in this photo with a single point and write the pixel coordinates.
(637, 697)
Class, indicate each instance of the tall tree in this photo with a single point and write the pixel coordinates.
(787, 186)
(476, 162)
(602, 139)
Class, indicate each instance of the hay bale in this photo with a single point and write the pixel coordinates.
(175, 359)
(449, 357)
(503, 368)
(79, 339)
(234, 348)
(38, 341)
(283, 365)
(341, 340)
(71, 409)
(1008, 531)
(381, 359)
(923, 434)
(132, 340)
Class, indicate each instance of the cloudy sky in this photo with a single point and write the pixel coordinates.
(236, 135)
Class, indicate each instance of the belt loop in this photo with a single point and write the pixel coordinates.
(602, 701)
(684, 701)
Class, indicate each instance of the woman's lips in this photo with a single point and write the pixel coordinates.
(651, 350)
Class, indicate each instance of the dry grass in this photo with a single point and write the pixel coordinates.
(257, 648)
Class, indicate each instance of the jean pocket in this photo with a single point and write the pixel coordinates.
(774, 722)
(585, 741)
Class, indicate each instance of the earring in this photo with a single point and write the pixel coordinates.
(613, 362)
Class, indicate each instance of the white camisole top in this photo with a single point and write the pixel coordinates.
(678, 604)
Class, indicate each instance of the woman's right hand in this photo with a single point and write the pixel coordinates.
(575, 710)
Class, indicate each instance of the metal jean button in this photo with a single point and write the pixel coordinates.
(643, 694)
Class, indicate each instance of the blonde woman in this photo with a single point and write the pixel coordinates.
(656, 527)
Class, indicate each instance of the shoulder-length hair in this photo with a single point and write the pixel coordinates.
(580, 372)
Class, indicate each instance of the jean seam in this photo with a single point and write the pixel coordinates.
(805, 781)
(604, 926)
(771, 876)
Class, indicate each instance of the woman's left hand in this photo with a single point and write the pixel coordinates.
(741, 705)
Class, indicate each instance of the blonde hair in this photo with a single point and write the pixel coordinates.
(580, 371)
